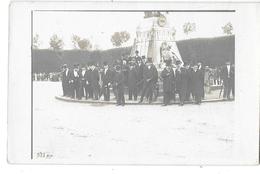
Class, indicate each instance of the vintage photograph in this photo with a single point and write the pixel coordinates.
(133, 87)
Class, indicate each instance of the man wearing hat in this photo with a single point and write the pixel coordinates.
(189, 83)
(65, 80)
(197, 89)
(83, 82)
(150, 77)
(94, 81)
(137, 57)
(125, 69)
(228, 77)
(75, 82)
(132, 81)
(89, 90)
(139, 68)
(181, 78)
(201, 70)
(106, 77)
(167, 76)
(119, 86)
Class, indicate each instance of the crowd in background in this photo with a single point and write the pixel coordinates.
(139, 78)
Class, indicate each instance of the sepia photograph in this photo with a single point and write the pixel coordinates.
(133, 87)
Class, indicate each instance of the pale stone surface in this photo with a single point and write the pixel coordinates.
(84, 133)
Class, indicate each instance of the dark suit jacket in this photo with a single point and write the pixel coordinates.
(196, 83)
(94, 78)
(140, 69)
(225, 75)
(65, 77)
(181, 79)
(83, 77)
(168, 80)
(132, 78)
(107, 77)
(74, 79)
(150, 74)
(119, 79)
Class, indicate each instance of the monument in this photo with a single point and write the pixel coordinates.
(155, 38)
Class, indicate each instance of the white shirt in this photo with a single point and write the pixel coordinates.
(228, 70)
(105, 71)
(75, 73)
(83, 72)
(67, 71)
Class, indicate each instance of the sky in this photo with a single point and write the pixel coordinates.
(99, 26)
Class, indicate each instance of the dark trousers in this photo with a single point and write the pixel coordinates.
(75, 92)
(228, 86)
(83, 90)
(197, 97)
(106, 92)
(132, 92)
(140, 86)
(120, 98)
(89, 92)
(148, 91)
(65, 89)
(181, 95)
(167, 95)
(96, 92)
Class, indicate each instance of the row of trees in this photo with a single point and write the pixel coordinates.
(191, 27)
(117, 39)
(56, 43)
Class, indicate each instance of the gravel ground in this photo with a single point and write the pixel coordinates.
(83, 133)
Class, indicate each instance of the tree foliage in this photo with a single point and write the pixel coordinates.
(118, 38)
(56, 43)
(36, 42)
(189, 27)
(228, 28)
(81, 43)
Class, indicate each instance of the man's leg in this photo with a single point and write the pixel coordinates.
(135, 93)
(228, 89)
(108, 93)
(143, 92)
(130, 94)
(122, 97)
(150, 93)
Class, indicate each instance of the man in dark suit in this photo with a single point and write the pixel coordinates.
(83, 83)
(228, 77)
(167, 76)
(119, 86)
(201, 70)
(132, 81)
(181, 79)
(137, 57)
(189, 84)
(106, 77)
(89, 92)
(150, 77)
(75, 82)
(94, 81)
(125, 69)
(139, 68)
(197, 89)
(65, 81)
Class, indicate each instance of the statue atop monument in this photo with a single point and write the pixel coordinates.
(155, 38)
(149, 14)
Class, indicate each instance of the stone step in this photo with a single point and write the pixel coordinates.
(112, 101)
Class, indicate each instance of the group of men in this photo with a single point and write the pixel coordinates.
(140, 77)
